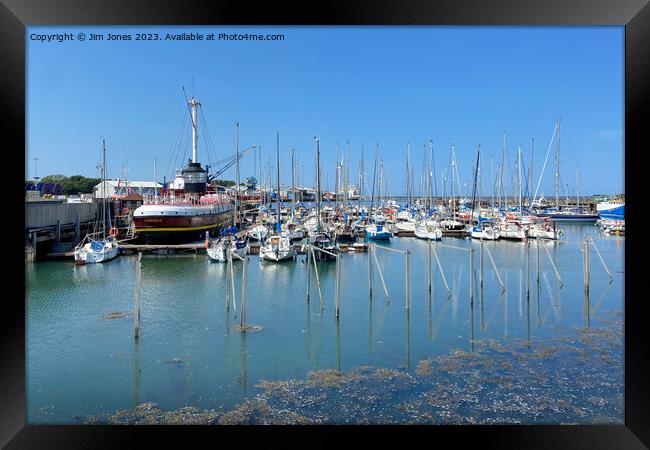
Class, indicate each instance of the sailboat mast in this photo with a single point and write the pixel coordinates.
(530, 177)
(408, 175)
(103, 188)
(519, 176)
(478, 160)
(362, 178)
(557, 168)
(374, 177)
(336, 180)
(236, 217)
(293, 184)
(453, 167)
(503, 165)
(277, 156)
(318, 195)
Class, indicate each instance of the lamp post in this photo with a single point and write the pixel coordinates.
(36, 168)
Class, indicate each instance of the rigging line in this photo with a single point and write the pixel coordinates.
(174, 142)
(176, 149)
(208, 139)
(212, 157)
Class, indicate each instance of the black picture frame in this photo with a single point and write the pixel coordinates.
(15, 15)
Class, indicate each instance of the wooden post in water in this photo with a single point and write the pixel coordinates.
(308, 273)
(369, 270)
(527, 269)
(227, 288)
(471, 275)
(408, 279)
(243, 292)
(429, 263)
(480, 270)
(538, 278)
(136, 318)
(232, 282)
(586, 247)
(337, 284)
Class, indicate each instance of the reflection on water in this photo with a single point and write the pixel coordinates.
(79, 364)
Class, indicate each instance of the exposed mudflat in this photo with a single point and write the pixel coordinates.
(565, 380)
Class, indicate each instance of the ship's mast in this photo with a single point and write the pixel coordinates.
(194, 104)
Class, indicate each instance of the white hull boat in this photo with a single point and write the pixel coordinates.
(218, 251)
(258, 233)
(277, 248)
(407, 226)
(96, 251)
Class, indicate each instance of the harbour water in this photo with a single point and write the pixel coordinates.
(82, 359)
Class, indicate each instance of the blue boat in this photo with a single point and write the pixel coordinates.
(377, 232)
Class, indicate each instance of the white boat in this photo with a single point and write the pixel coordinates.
(99, 246)
(377, 232)
(218, 250)
(258, 233)
(512, 230)
(277, 248)
(407, 226)
(544, 230)
(428, 230)
(485, 231)
(92, 250)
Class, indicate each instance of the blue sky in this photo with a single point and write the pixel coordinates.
(386, 85)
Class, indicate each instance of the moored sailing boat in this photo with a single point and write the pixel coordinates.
(99, 246)
(278, 247)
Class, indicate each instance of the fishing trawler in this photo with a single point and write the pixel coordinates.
(186, 211)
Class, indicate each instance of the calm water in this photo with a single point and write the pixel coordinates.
(80, 363)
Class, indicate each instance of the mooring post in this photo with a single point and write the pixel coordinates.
(480, 263)
(243, 292)
(408, 279)
(232, 282)
(586, 247)
(527, 269)
(471, 275)
(136, 317)
(308, 274)
(337, 285)
(429, 263)
(369, 270)
(538, 278)
(58, 232)
(227, 286)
